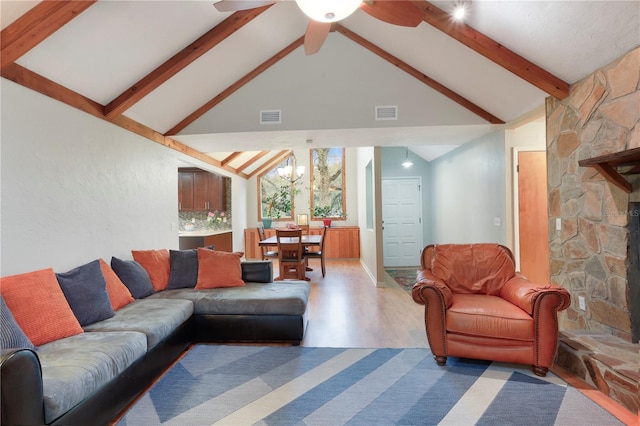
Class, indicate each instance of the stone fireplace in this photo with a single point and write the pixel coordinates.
(594, 254)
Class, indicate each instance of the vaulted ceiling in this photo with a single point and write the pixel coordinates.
(192, 78)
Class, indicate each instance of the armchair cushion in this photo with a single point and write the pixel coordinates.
(488, 316)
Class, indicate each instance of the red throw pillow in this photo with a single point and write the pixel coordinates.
(39, 306)
(219, 269)
(119, 294)
(157, 263)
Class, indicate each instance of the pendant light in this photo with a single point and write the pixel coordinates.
(406, 163)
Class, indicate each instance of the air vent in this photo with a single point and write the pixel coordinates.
(271, 116)
(386, 113)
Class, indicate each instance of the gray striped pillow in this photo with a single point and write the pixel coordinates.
(11, 335)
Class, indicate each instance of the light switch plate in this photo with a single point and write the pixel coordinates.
(497, 221)
(558, 224)
(582, 303)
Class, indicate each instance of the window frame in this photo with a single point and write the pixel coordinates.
(313, 175)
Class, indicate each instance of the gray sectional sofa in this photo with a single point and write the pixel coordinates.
(89, 378)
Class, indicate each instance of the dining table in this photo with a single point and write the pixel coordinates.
(307, 241)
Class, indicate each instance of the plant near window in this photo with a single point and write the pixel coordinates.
(280, 202)
(321, 211)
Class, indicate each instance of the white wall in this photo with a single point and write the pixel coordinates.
(370, 239)
(468, 192)
(76, 188)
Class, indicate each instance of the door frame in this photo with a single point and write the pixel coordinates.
(420, 212)
(516, 201)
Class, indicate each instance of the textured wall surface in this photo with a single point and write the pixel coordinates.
(76, 188)
(589, 255)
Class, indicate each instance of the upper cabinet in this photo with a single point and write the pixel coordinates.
(199, 190)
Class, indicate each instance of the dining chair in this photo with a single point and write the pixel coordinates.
(290, 254)
(266, 253)
(304, 229)
(320, 253)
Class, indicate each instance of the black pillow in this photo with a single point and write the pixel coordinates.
(134, 276)
(11, 335)
(184, 269)
(86, 291)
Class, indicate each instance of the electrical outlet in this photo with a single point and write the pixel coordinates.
(497, 221)
(582, 304)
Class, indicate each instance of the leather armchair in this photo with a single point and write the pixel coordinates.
(478, 306)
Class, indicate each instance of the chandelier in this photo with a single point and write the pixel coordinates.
(291, 171)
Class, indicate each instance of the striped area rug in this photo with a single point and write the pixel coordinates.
(247, 385)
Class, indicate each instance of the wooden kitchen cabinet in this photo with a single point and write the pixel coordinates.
(185, 191)
(199, 190)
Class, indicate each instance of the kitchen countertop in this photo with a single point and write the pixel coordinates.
(202, 232)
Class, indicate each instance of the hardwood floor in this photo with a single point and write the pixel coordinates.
(346, 309)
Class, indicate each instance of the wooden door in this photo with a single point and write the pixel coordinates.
(533, 215)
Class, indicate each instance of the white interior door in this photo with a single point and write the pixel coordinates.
(402, 221)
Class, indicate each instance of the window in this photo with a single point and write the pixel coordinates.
(274, 197)
(327, 184)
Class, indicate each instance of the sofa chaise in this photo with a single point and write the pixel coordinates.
(91, 376)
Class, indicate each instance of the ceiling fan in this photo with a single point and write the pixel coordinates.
(323, 14)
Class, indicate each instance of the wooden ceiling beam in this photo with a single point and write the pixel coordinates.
(35, 26)
(252, 160)
(235, 87)
(180, 61)
(231, 157)
(40, 84)
(493, 50)
(419, 75)
(278, 158)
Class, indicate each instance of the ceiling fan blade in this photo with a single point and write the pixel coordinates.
(397, 12)
(236, 5)
(315, 36)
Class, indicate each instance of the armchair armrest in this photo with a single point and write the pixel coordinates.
(426, 280)
(21, 387)
(526, 295)
(436, 297)
(260, 271)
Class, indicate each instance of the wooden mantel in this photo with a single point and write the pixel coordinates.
(607, 166)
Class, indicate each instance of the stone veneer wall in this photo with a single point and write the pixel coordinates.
(589, 257)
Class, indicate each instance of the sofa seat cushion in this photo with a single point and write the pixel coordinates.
(75, 367)
(488, 316)
(156, 318)
(277, 298)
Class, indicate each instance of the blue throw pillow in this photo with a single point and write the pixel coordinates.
(86, 291)
(11, 335)
(184, 269)
(134, 276)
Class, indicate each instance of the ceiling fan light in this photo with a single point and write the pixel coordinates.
(328, 10)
